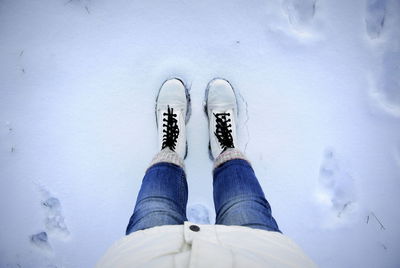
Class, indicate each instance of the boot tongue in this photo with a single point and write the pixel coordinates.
(177, 105)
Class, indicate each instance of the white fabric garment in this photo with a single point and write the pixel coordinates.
(178, 246)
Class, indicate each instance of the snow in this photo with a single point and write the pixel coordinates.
(319, 110)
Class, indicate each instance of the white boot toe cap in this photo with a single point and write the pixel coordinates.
(220, 95)
(172, 93)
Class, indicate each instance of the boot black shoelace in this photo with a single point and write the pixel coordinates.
(171, 129)
(223, 131)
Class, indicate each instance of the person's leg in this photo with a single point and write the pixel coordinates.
(238, 197)
(162, 198)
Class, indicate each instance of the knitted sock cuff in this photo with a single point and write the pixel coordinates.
(229, 154)
(166, 155)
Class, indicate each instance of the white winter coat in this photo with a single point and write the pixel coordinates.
(212, 246)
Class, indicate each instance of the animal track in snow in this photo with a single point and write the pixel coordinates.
(375, 17)
(8, 132)
(335, 191)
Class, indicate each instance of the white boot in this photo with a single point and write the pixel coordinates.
(172, 113)
(221, 109)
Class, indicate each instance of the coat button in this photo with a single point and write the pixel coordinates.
(194, 228)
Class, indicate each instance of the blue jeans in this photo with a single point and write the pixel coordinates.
(238, 198)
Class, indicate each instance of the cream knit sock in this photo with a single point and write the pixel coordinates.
(168, 156)
(229, 154)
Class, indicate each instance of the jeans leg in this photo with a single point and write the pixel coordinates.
(162, 198)
(239, 199)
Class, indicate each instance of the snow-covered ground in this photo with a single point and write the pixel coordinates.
(319, 85)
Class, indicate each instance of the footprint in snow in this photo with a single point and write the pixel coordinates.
(85, 4)
(55, 220)
(375, 17)
(40, 240)
(335, 191)
(398, 154)
(13, 265)
(386, 89)
(300, 12)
